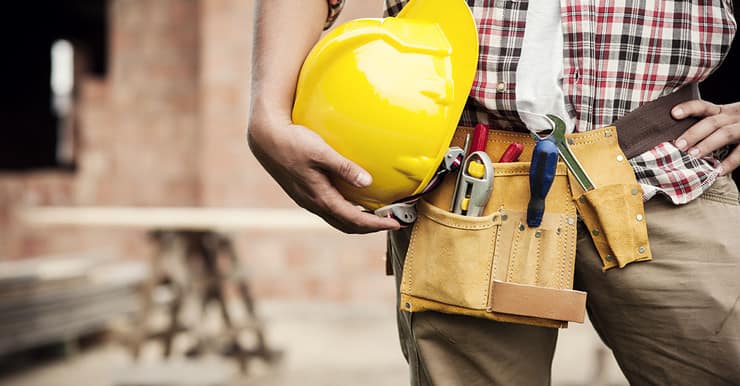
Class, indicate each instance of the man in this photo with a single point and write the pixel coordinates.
(674, 320)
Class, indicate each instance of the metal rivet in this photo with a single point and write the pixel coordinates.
(641, 249)
(609, 258)
(620, 158)
(635, 191)
(504, 217)
(582, 200)
(538, 234)
(571, 221)
(522, 227)
(639, 217)
(607, 133)
(501, 86)
(408, 305)
(557, 231)
(595, 232)
(571, 141)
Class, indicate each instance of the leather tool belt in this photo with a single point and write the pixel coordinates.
(496, 267)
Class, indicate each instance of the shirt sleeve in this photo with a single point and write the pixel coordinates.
(335, 7)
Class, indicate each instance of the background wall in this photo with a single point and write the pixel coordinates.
(165, 126)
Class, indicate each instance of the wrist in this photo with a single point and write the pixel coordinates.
(266, 116)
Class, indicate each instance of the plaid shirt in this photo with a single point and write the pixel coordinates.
(617, 56)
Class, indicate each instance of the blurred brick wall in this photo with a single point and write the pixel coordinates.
(166, 127)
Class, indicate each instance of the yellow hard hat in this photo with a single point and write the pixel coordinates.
(388, 94)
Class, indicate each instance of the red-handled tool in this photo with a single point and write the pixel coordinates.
(512, 153)
(480, 138)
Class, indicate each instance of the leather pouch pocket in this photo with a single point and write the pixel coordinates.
(495, 266)
(450, 257)
(613, 212)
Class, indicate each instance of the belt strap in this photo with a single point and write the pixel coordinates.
(652, 124)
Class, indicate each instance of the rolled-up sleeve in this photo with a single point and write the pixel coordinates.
(335, 7)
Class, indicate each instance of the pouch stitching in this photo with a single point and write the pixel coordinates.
(573, 240)
(598, 134)
(595, 139)
(457, 225)
(454, 223)
(513, 254)
(564, 252)
(496, 249)
(491, 267)
(502, 133)
(571, 252)
(522, 172)
(539, 260)
(410, 260)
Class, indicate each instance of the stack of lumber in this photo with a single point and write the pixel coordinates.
(57, 299)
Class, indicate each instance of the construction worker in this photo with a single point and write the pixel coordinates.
(673, 320)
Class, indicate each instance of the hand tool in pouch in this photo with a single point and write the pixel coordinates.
(404, 211)
(541, 175)
(474, 187)
(512, 153)
(466, 151)
(570, 160)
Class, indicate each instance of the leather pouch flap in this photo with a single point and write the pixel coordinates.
(621, 222)
(549, 303)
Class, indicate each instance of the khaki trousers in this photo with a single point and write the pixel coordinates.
(674, 320)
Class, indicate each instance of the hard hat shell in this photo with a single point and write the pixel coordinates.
(388, 93)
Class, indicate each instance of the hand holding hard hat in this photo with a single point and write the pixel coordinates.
(388, 93)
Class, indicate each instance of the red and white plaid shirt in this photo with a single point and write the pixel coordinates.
(618, 55)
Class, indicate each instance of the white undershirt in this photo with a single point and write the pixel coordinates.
(539, 76)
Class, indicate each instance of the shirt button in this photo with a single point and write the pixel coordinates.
(501, 86)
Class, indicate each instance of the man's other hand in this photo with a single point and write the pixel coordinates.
(303, 164)
(719, 126)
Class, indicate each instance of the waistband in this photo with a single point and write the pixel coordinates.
(652, 124)
(638, 131)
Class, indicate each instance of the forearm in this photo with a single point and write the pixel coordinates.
(284, 34)
(296, 157)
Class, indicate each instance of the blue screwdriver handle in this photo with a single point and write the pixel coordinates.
(541, 175)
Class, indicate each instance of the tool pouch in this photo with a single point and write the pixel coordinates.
(613, 212)
(495, 266)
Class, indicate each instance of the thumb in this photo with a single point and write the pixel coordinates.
(349, 171)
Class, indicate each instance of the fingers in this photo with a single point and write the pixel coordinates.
(321, 197)
(719, 126)
(709, 135)
(695, 108)
(723, 136)
(349, 171)
(351, 219)
(302, 170)
(699, 131)
(731, 162)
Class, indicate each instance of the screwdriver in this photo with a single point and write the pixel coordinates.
(541, 175)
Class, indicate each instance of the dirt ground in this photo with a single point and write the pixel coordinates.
(322, 345)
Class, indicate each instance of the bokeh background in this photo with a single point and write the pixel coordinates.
(144, 103)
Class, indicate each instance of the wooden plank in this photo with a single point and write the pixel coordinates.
(194, 219)
(43, 300)
(73, 323)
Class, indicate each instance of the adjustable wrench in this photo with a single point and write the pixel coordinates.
(570, 160)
